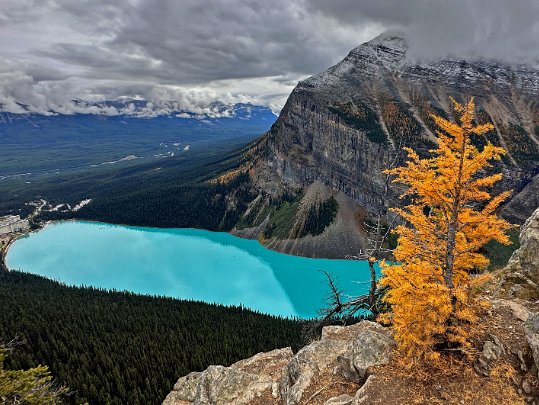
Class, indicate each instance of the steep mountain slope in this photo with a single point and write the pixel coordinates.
(343, 126)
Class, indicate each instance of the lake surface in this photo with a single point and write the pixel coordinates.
(184, 263)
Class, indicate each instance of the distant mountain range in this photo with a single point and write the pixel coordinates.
(146, 109)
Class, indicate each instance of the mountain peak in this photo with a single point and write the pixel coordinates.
(385, 52)
(389, 39)
(387, 56)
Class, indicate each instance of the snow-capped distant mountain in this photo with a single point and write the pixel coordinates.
(149, 109)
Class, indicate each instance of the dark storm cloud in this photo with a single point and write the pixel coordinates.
(193, 41)
(196, 51)
(191, 50)
(507, 30)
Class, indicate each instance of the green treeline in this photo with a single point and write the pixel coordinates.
(168, 202)
(203, 206)
(119, 348)
(320, 216)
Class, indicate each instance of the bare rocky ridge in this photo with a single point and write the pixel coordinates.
(342, 126)
(330, 244)
(526, 259)
(356, 365)
(241, 383)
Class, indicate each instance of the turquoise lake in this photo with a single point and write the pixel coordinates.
(184, 263)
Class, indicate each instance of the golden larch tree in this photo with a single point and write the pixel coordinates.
(451, 215)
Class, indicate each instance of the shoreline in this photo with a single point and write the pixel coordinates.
(12, 239)
(4, 251)
(234, 232)
(13, 236)
(157, 228)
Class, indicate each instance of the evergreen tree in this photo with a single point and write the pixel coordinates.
(27, 387)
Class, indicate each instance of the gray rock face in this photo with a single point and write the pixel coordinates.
(344, 350)
(531, 329)
(278, 377)
(372, 346)
(523, 203)
(238, 384)
(342, 126)
(493, 350)
(525, 260)
(308, 363)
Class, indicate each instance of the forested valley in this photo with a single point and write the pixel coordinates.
(156, 193)
(117, 347)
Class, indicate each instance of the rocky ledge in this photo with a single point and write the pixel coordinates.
(328, 371)
(352, 365)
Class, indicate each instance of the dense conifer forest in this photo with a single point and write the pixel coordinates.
(193, 206)
(119, 348)
(173, 193)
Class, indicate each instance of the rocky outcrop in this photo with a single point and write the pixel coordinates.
(245, 382)
(520, 278)
(531, 328)
(343, 354)
(343, 126)
(352, 366)
(493, 350)
(371, 346)
(525, 261)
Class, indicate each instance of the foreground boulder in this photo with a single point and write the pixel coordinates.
(372, 346)
(344, 354)
(345, 351)
(244, 382)
(524, 263)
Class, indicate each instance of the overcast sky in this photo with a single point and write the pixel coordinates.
(197, 51)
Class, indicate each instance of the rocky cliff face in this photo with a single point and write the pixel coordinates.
(341, 127)
(526, 258)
